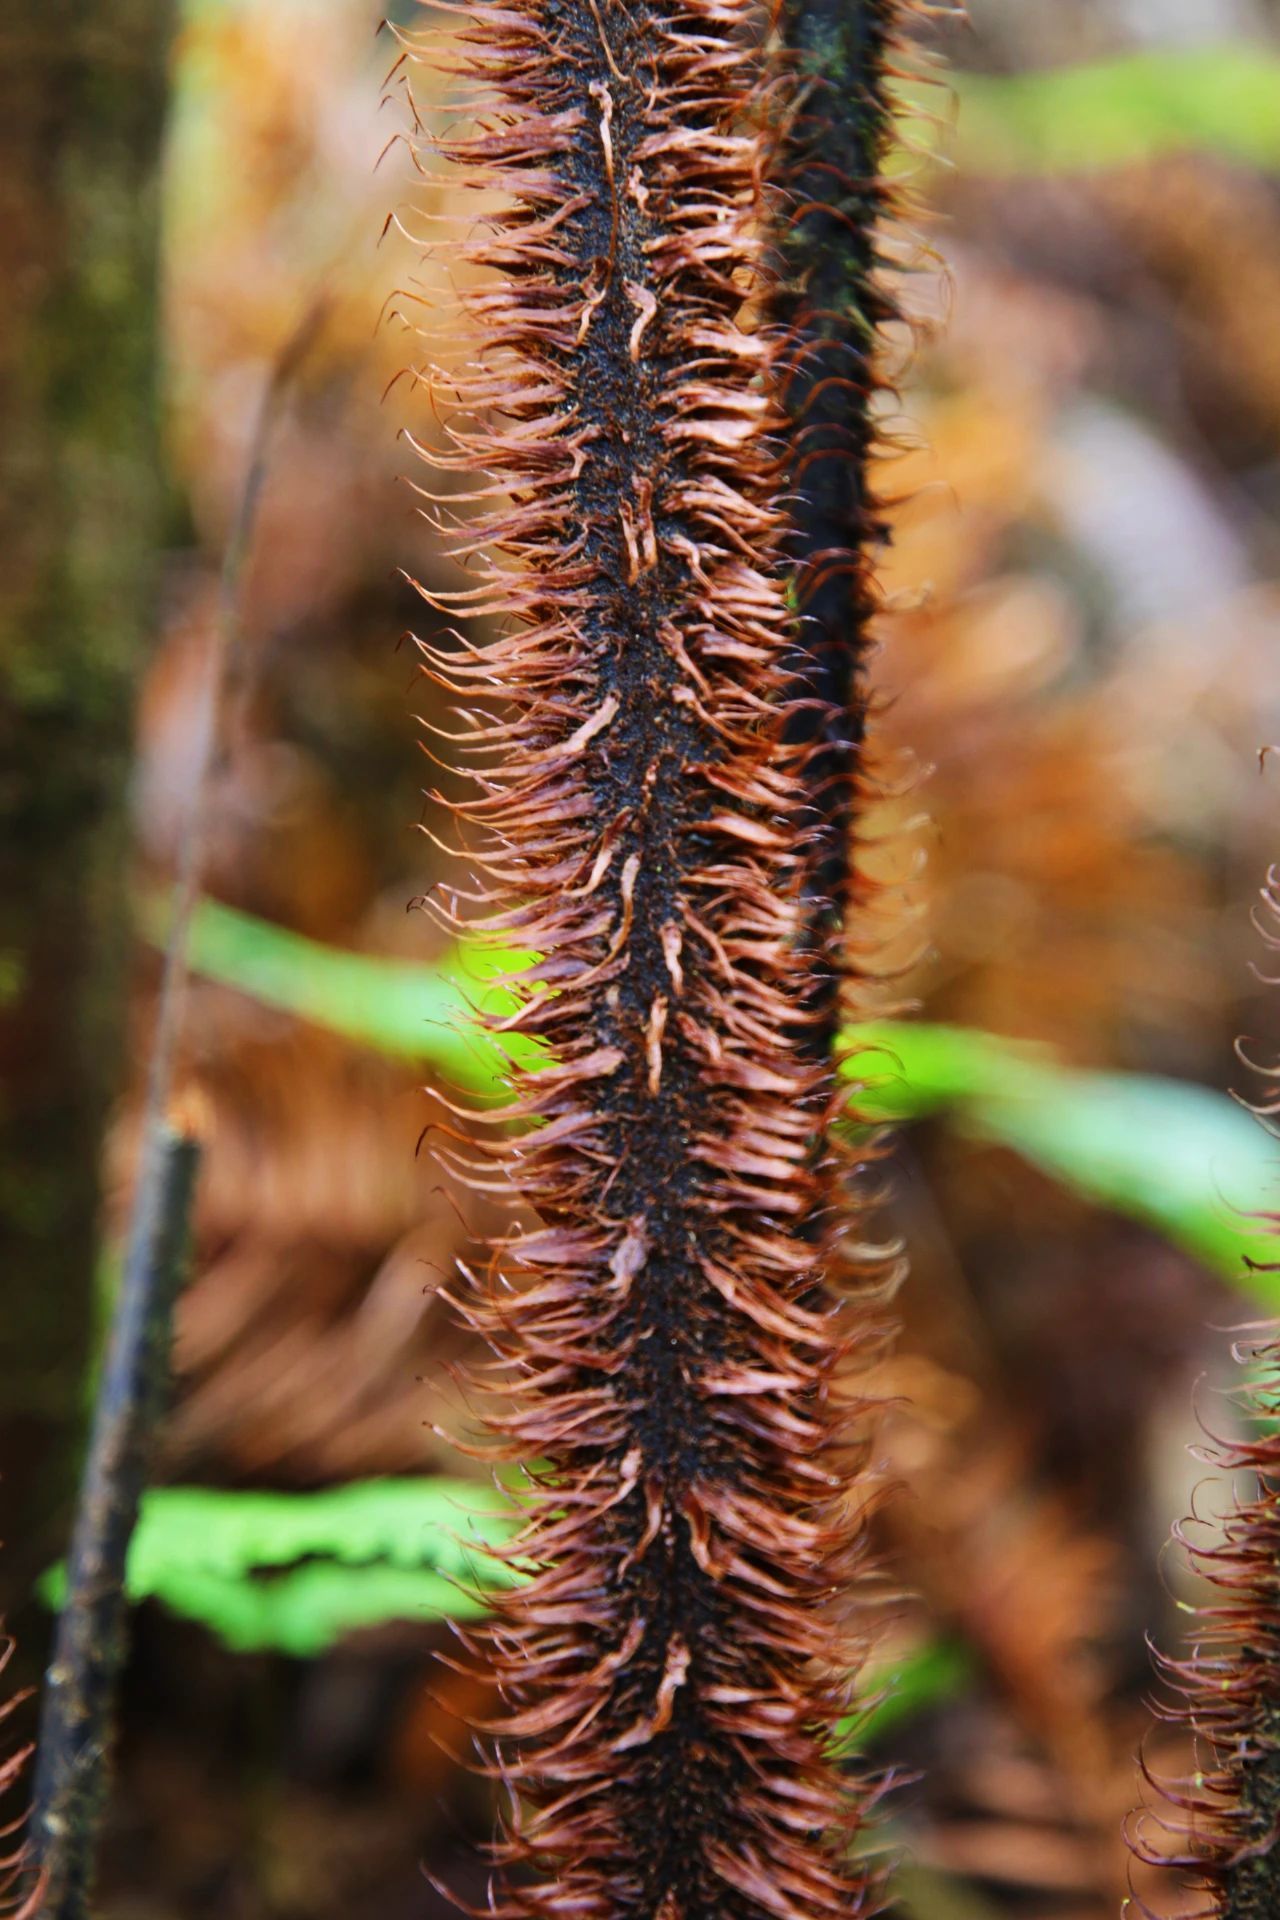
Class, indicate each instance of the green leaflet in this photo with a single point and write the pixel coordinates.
(396, 1006)
(295, 1571)
(938, 1671)
(307, 1609)
(1186, 1161)
(1191, 1163)
(1224, 99)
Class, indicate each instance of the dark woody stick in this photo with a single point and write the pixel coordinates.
(89, 1650)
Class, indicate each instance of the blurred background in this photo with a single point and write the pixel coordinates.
(1078, 667)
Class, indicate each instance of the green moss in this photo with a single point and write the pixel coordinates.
(81, 110)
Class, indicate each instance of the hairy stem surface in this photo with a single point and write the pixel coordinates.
(1221, 1825)
(674, 1667)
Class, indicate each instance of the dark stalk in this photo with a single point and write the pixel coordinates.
(832, 304)
(80, 1686)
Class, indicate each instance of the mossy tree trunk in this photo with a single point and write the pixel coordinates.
(82, 91)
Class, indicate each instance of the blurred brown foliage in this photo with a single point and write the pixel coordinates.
(1077, 658)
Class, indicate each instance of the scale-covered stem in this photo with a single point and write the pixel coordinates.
(1221, 1825)
(675, 1667)
(1226, 1818)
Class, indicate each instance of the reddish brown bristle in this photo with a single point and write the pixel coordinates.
(1221, 1827)
(1226, 1819)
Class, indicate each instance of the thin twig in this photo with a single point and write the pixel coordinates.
(80, 1684)
(222, 660)
(75, 1727)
